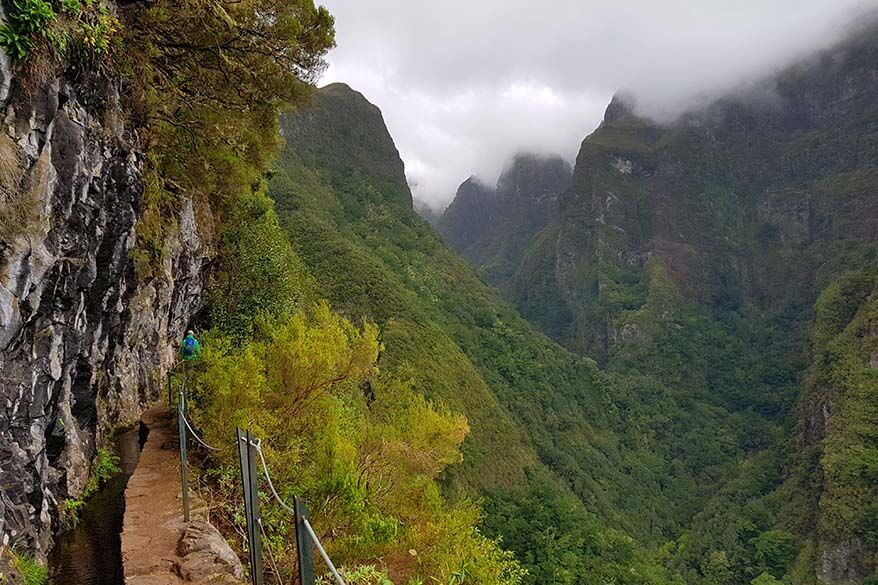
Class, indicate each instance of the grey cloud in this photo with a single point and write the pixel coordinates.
(465, 84)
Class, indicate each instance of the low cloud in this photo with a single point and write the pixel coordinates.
(463, 85)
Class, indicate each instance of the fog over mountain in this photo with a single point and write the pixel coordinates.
(463, 85)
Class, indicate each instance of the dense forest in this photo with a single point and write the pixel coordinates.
(657, 367)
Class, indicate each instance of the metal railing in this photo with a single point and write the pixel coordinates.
(249, 448)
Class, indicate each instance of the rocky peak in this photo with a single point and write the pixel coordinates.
(620, 106)
(352, 141)
(469, 215)
(534, 177)
(473, 192)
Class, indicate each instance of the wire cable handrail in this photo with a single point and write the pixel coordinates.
(197, 438)
(182, 409)
(323, 554)
(257, 444)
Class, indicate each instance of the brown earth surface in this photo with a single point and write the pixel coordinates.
(153, 520)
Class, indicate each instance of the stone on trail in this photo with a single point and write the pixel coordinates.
(207, 555)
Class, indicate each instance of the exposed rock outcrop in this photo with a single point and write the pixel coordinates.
(207, 555)
(84, 339)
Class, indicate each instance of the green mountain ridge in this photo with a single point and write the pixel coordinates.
(693, 253)
(643, 446)
(491, 227)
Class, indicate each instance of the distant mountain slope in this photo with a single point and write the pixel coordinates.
(556, 443)
(492, 227)
(744, 202)
(721, 230)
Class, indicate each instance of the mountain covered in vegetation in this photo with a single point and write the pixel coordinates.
(492, 227)
(709, 253)
(674, 381)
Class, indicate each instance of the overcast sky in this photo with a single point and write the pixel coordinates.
(464, 84)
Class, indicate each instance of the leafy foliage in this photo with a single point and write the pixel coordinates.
(678, 442)
(88, 28)
(259, 279)
(25, 20)
(209, 79)
(31, 571)
(362, 447)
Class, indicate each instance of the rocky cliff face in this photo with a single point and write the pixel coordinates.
(744, 203)
(85, 342)
(492, 227)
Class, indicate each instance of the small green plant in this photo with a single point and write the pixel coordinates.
(32, 572)
(69, 512)
(31, 16)
(26, 19)
(15, 44)
(87, 24)
(98, 34)
(71, 6)
(365, 575)
(105, 466)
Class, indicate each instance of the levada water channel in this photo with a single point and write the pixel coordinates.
(91, 552)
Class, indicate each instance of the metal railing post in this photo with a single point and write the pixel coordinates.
(251, 504)
(303, 545)
(184, 462)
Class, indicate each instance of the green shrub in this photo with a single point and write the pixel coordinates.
(25, 20)
(775, 551)
(31, 571)
(363, 448)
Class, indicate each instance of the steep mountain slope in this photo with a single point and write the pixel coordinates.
(492, 227)
(835, 463)
(743, 202)
(693, 253)
(629, 449)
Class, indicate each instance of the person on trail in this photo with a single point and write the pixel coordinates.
(190, 349)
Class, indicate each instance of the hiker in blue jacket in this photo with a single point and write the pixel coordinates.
(190, 349)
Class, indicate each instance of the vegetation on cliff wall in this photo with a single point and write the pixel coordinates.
(208, 80)
(831, 495)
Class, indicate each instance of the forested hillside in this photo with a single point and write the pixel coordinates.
(535, 411)
(654, 446)
(693, 253)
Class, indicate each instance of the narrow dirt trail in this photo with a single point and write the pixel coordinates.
(153, 508)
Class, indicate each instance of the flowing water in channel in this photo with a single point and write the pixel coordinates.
(91, 553)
